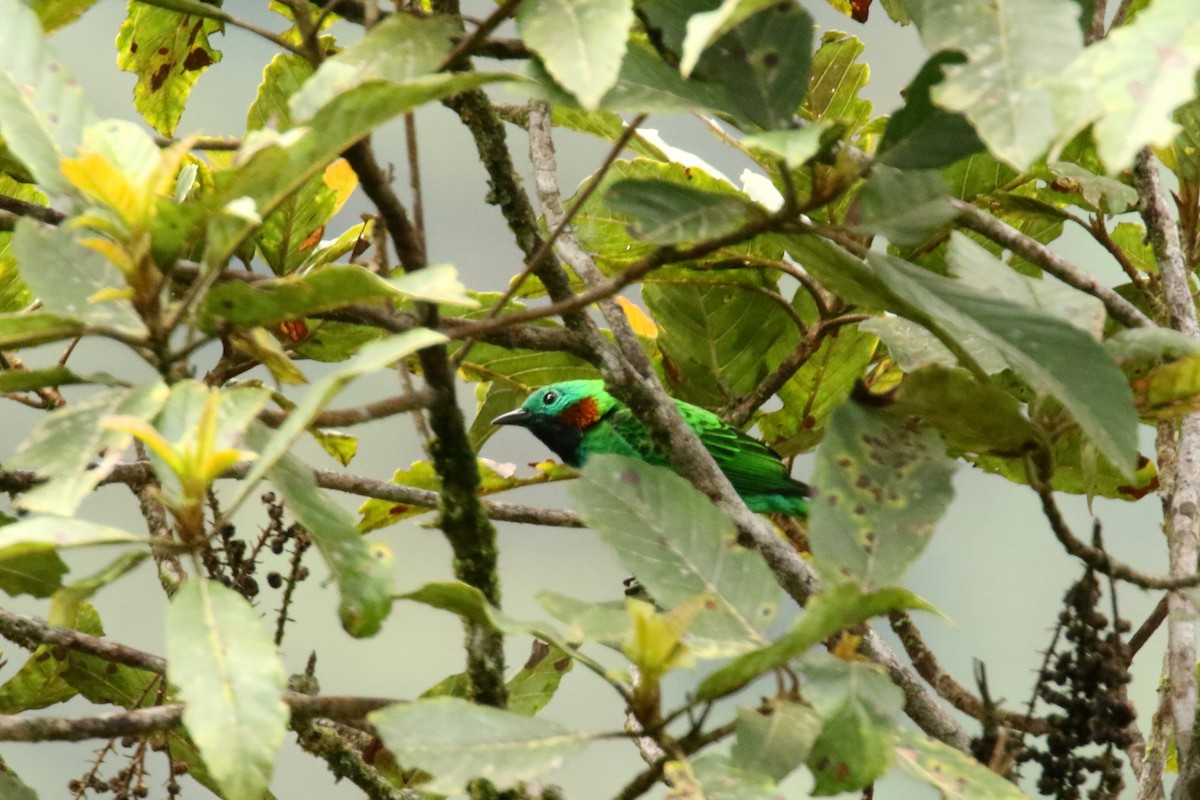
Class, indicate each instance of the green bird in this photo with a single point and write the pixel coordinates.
(577, 419)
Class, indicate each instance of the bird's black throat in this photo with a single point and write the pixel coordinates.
(561, 437)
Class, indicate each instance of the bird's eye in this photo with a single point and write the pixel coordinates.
(549, 397)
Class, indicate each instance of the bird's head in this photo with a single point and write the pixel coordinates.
(559, 414)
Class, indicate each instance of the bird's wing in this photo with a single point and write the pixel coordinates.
(751, 466)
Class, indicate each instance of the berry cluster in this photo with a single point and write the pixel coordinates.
(1086, 681)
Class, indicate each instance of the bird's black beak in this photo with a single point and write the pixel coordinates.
(518, 416)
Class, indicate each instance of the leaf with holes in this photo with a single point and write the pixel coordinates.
(168, 51)
(456, 741)
(884, 483)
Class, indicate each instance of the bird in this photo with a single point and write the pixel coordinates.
(577, 419)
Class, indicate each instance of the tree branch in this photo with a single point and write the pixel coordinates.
(1183, 503)
(1001, 233)
(633, 378)
(948, 688)
(463, 519)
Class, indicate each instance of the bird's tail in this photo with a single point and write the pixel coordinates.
(791, 502)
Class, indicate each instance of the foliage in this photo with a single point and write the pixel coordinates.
(875, 290)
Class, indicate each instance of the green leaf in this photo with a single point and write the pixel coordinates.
(763, 62)
(794, 146)
(274, 166)
(1011, 49)
(373, 357)
(362, 572)
(341, 446)
(1078, 469)
(34, 569)
(953, 773)
(14, 295)
(508, 375)
(717, 776)
(680, 546)
(970, 415)
(267, 303)
(608, 232)
(825, 614)
(580, 42)
(607, 125)
(774, 741)
(1099, 192)
(883, 485)
(103, 682)
(39, 683)
(400, 49)
(979, 270)
(705, 27)
(1131, 238)
(837, 78)
(715, 336)
(66, 441)
(534, 686)
(377, 513)
(456, 741)
(668, 213)
(42, 108)
(282, 78)
(857, 702)
(13, 788)
(607, 623)
(167, 50)
(55, 14)
(67, 277)
(1129, 82)
(922, 136)
(28, 380)
(1053, 357)
(819, 386)
(906, 207)
(913, 347)
(232, 681)
(62, 532)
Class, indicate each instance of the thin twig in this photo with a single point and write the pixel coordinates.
(1093, 557)
(927, 666)
(998, 231)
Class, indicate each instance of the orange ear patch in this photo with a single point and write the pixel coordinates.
(581, 414)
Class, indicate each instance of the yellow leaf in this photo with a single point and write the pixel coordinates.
(102, 181)
(111, 293)
(846, 647)
(341, 178)
(641, 323)
(263, 347)
(146, 433)
(216, 463)
(112, 251)
(656, 643)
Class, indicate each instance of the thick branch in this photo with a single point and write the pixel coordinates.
(1183, 504)
(632, 378)
(463, 519)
